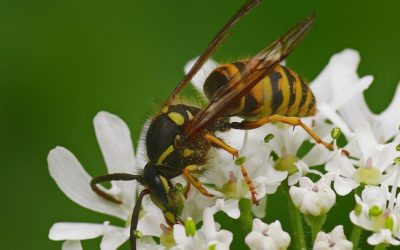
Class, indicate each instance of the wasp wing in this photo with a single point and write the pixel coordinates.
(212, 47)
(254, 71)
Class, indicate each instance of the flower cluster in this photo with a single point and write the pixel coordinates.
(277, 157)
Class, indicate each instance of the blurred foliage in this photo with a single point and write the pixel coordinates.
(63, 61)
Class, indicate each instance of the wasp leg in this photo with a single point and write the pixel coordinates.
(111, 177)
(294, 121)
(187, 173)
(186, 189)
(235, 153)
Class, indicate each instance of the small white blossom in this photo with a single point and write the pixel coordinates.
(313, 198)
(376, 211)
(339, 74)
(208, 237)
(267, 237)
(114, 138)
(335, 240)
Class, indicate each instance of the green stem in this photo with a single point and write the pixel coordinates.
(357, 231)
(315, 223)
(295, 220)
(380, 247)
(355, 236)
(246, 217)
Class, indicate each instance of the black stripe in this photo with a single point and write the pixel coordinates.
(312, 104)
(250, 104)
(292, 87)
(304, 93)
(240, 66)
(277, 97)
(213, 82)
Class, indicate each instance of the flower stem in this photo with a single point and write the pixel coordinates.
(295, 220)
(246, 217)
(380, 247)
(357, 231)
(315, 223)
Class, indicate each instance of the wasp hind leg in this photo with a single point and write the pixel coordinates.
(294, 121)
(235, 153)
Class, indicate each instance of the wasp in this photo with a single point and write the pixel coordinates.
(179, 137)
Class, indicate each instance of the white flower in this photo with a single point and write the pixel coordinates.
(384, 236)
(267, 237)
(366, 132)
(378, 211)
(116, 145)
(335, 240)
(371, 167)
(340, 74)
(313, 198)
(208, 237)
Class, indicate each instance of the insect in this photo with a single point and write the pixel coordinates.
(180, 136)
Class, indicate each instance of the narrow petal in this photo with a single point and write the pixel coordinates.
(334, 117)
(72, 245)
(74, 181)
(343, 186)
(114, 237)
(115, 142)
(199, 79)
(75, 231)
(229, 206)
(390, 118)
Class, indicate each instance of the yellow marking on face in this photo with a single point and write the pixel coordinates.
(177, 118)
(190, 115)
(164, 155)
(164, 182)
(187, 152)
(165, 109)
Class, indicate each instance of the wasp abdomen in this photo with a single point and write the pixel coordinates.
(281, 92)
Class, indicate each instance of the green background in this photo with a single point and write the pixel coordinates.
(63, 61)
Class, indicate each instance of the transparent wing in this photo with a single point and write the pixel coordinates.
(212, 47)
(254, 71)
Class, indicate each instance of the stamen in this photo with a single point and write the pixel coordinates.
(335, 133)
(268, 138)
(369, 163)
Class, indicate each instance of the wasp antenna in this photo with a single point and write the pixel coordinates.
(135, 218)
(112, 177)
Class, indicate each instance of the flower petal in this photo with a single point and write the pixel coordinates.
(116, 145)
(343, 186)
(199, 79)
(75, 231)
(390, 118)
(115, 142)
(72, 245)
(114, 237)
(74, 181)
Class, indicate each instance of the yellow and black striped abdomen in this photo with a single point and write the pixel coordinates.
(281, 92)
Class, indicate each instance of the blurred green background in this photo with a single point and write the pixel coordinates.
(63, 61)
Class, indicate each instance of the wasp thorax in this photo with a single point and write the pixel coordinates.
(165, 140)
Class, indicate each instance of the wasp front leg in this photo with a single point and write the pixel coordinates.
(188, 174)
(235, 153)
